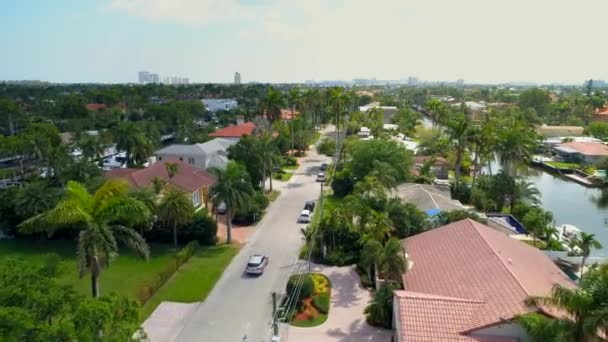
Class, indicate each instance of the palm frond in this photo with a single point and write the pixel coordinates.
(110, 189)
(122, 209)
(78, 193)
(133, 240)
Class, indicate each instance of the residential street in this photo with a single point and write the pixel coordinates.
(240, 305)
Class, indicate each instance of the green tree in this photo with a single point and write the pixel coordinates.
(598, 130)
(338, 100)
(407, 120)
(516, 141)
(438, 111)
(35, 198)
(8, 111)
(130, 138)
(99, 217)
(269, 155)
(386, 156)
(535, 98)
(248, 152)
(234, 189)
(536, 222)
(459, 131)
(294, 97)
(91, 146)
(175, 209)
(586, 242)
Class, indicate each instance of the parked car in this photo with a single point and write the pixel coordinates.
(256, 265)
(321, 177)
(324, 166)
(310, 205)
(221, 209)
(305, 216)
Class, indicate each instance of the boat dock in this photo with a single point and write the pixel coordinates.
(579, 179)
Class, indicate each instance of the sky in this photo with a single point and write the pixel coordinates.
(488, 41)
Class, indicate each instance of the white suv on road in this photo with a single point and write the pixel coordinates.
(305, 216)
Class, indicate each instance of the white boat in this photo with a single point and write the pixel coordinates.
(567, 232)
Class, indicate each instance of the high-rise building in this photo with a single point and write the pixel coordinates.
(154, 78)
(237, 78)
(144, 77)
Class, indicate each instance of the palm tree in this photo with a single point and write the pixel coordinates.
(578, 303)
(380, 309)
(337, 100)
(388, 259)
(269, 154)
(523, 191)
(91, 146)
(129, 138)
(35, 198)
(438, 111)
(99, 216)
(458, 131)
(158, 184)
(272, 104)
(172, 169)
(541, 328)
(234, 189)
(293, 98)
(586, 242)
(175, 209)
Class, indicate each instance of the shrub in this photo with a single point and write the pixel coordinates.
(327, 146)
(301, 282)
(321, 283)
(380, 311)
(338, 257)
(321, 302)
(255, 210)
(343, 183)
(202, 228)
(289, 161)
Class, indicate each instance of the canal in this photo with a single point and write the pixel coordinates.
(569, 202)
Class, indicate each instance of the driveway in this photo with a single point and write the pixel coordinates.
(346, 321)
(239, 305)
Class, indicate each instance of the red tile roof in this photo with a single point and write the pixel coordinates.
(95, 106)
(233, 131)
(587, 148)
(601, 111)
(466, 276)
(439, 161)
(187, 178)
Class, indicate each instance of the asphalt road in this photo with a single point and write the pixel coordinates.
(240, 305)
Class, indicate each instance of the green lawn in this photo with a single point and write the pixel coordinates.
(195, 279)
(126, 274)
(291, 167)
(561, 165)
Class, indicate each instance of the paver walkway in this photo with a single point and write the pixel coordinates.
(346, 321)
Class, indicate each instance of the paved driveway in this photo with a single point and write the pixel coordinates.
(346, 321)
(240, 305)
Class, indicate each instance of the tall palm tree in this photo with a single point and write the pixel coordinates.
(234, 189)
(586, 242)
(388, 259)
(175, 209)
(337, 100)
(459, 131)
(172, 169)
(91, 146)
(269, 155)
(438, 111)
(129, 138)
(523, 191)
(272, 104)
(100, 216)
(293, 98)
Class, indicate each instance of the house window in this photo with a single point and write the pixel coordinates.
(196, 198)
(190, 160)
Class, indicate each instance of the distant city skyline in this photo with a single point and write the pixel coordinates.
(107, 41)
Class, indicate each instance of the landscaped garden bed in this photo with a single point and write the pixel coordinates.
(312, 306)
(563, 165)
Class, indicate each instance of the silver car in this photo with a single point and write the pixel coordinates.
(256, 264)
(305, 216)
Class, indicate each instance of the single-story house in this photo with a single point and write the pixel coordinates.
(193, 181)
(582, 152)
(431, 199)
(560, 131)
(469, 282)
(213, 153)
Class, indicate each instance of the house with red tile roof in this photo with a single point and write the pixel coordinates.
(189, 179)
(468, 282)
(235, 132)
(99, 106)
(601, 114)
(582, 152)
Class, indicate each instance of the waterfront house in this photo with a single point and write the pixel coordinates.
(196, 183)
(582, 152)
(213, 153)
(469, 282)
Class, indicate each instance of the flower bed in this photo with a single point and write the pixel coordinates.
(313, 310)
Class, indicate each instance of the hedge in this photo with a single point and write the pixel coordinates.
(181, 257)
(306, 286)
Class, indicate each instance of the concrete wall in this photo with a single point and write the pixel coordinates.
(396, 321)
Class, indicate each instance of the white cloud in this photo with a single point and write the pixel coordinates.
(479, 40)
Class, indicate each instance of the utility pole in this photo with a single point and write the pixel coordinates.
(275, 319)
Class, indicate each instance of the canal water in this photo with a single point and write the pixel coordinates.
(570, 202)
